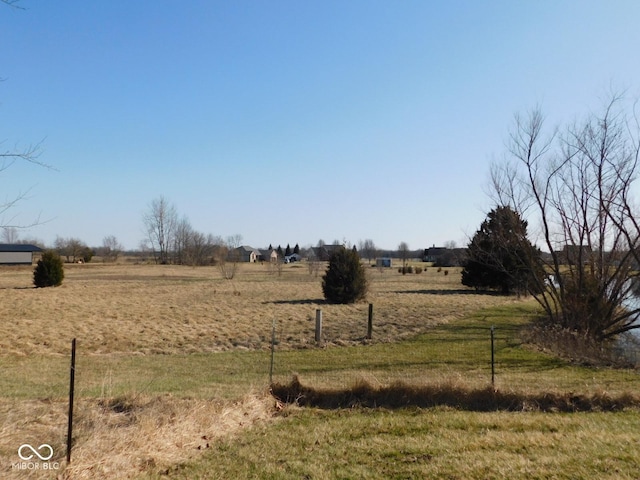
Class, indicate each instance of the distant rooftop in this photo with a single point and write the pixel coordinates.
(18, 247)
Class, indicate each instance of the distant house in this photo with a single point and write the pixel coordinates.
(431, 254)
(17, 254)
(294, 257)
(245, 253)
(268, 256)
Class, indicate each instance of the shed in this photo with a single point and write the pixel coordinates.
(383, 262)
(17, 254)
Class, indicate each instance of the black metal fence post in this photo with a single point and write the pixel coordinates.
(273, 347)
(493, 364)
(71, 391)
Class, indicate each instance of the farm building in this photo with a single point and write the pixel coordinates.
(17, 254)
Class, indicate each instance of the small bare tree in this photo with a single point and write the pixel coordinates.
(403, 251)
(111, 248)
(228, 257)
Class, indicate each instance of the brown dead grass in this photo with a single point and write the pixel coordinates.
(122, 437)
(450, 394)
(145, 309)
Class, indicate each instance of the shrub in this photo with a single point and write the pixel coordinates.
(418, 269)
(49, 271)
(345, 280)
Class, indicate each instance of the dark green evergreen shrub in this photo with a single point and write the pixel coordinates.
(345, 280)
(49, 271)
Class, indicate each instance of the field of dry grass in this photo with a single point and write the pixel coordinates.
(150, 401)
(128, 312)
(146, 309)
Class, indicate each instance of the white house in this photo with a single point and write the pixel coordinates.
(17, 254)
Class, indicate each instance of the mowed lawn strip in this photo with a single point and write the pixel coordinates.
(437, 443)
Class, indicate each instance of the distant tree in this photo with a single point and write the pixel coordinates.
(160, 221)
(403, 252)
(111, 248)
(287, 251)
(501, 257)
(280, 252)
(228, 256)
(86, 254)
(10, 235)
(49, 271)
(73, 249)
(181, 238)
(345, 280)
(368, 249)
(296, 249)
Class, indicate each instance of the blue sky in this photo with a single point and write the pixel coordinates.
(289, 121)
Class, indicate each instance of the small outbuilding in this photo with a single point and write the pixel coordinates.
(17, 254)
(383, 262)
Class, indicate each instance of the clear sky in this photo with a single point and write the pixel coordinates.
(289, 121)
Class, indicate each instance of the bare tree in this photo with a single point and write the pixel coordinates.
(74, 249)
(403, 251)
(10, 235)
(160, 222)
(577, 184)
(368, 249)
(182, 238)
(111, 248)
(228, 257)
(12, 3)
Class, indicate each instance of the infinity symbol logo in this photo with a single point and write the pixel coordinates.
(44, 457)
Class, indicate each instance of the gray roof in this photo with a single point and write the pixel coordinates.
(18, 247)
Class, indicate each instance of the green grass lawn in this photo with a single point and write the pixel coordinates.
(437, 443)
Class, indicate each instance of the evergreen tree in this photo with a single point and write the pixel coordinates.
(296, 249)
(287, 251)
(345, 280)
(49, 271)
(501, 257)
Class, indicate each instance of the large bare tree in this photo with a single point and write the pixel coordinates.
(575, 183)
(160, 222)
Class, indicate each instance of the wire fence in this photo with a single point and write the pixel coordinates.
(474, 355)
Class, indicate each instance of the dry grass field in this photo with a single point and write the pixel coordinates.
(126, 314)
(173, 372)
(154, 309)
